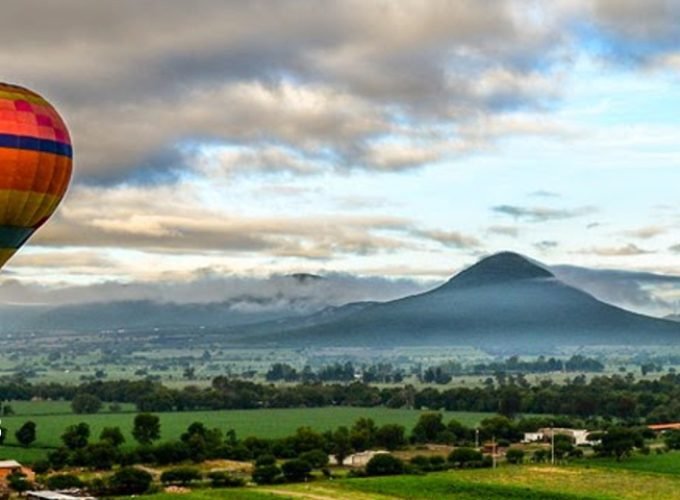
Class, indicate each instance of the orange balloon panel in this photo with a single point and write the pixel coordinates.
(35, 165)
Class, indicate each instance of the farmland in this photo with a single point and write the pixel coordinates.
(504, 483)
(52, 418)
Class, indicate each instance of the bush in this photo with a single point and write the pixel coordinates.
(266, 474)
(384, 464)
(672, 439)
(224, 479)
(129, 481)
(437, 462)
(181, 475)
(421, 462)
(465, 457)
(514, 456)
(18, 482)
(296, 470)
(41, 466)
(318, 459)
(86, 403)
(63, 482)
(265, 460)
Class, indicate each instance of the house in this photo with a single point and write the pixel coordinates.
(359, 459)
(8, 467)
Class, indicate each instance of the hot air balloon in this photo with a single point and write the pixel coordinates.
(35, 165)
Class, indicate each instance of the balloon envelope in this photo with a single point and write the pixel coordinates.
(35, 165)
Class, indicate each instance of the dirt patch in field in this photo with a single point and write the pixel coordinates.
(228, 465)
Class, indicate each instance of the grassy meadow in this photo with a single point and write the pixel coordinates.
(529, 482)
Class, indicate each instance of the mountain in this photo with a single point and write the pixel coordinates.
(504, 300)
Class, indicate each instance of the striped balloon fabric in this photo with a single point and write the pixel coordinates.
(35, 165)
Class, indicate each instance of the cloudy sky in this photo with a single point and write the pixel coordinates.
(374, 138)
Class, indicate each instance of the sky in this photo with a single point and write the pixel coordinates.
(398, 141)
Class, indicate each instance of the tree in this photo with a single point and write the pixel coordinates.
(619, 442)
(146, 428)
(296, 470)
(112, 435)
(391, 436)
(86, 403)
(26, 434)
(363, 433)
(76, 436)
(384, 464)
(316, 458)
(428, 428)
(129, 481)
(341, 445)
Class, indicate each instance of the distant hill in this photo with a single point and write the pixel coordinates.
(503, 300)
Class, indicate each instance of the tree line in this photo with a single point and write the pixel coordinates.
(612, 396)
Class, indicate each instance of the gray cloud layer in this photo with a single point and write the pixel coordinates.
(140, 82)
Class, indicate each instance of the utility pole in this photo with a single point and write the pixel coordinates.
(493, 451)
(552, 445)
(476, 438)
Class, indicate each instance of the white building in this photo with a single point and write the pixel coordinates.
(359, 459)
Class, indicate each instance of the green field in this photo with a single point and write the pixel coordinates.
(505, 483)
(666, 463)
(268, 423)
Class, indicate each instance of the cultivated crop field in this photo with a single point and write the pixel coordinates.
(266, 423)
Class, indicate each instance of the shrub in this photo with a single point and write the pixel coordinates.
(462, 457)
(515, 456)
(266, 474)
(265, 460)
(18, 482)
(181, 475)
(129, 481)
(64, 482)
(384, 464)
(224, 479)
(422, 462)
(437, 462)
(296, 470)
(41, 466)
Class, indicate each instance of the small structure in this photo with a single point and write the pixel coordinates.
(359, 459)
(52, 495)
(672, 426)
(532, 437)
(578, 436)
(8, 467)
